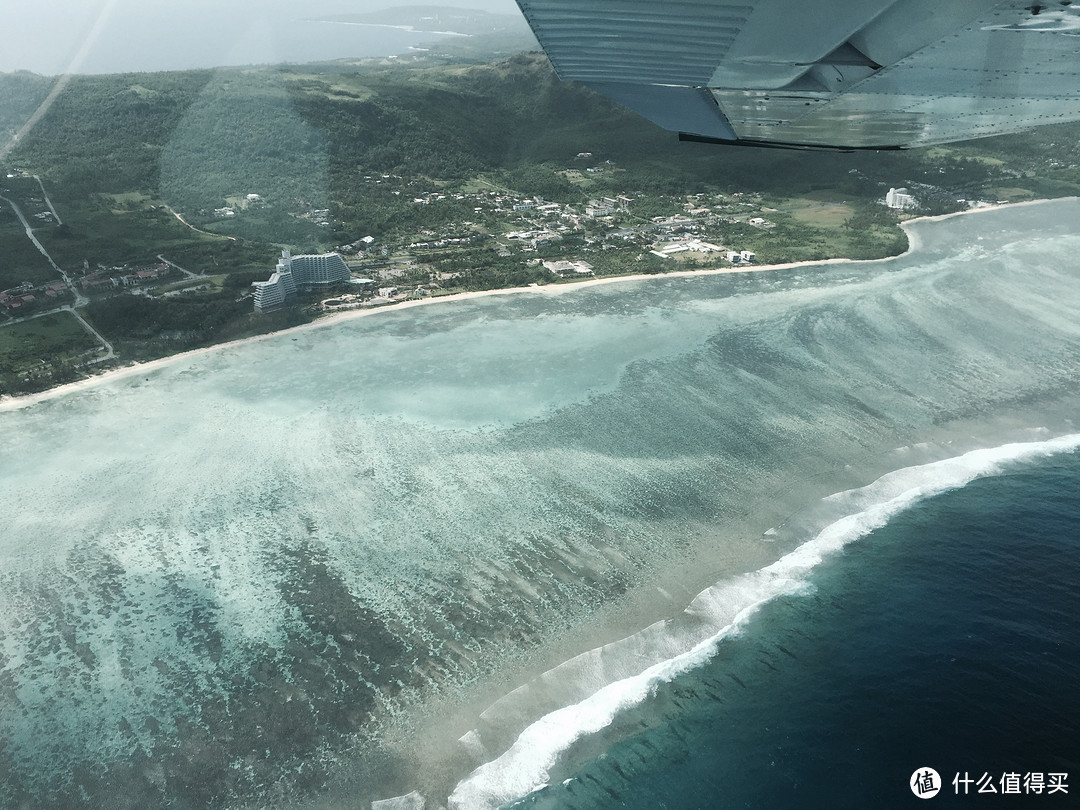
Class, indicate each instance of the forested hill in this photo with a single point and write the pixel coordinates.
(425, 171)
(199, 136)
(300, 136)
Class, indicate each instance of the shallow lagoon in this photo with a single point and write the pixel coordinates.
(314, 559)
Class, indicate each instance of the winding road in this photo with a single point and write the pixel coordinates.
(175, 266)
(80, 299)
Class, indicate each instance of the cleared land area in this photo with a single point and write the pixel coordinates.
(49, 340)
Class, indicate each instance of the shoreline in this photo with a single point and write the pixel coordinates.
(10, 403)
(409, 29)
(464, 705)
(443, 738)
(891, 494)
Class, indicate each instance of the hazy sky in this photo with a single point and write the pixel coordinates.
(103, 36)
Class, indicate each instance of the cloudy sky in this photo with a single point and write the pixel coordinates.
(105, 36)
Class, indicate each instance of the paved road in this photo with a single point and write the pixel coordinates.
(48, 202)
(187, 273)
(198, 230)
(26, 318)
(105, 345)
(80, 299)
(109, 353)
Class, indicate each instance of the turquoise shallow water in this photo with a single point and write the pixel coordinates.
(283, 565)
(948, 638)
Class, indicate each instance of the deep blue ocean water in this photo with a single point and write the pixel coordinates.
(950, 638)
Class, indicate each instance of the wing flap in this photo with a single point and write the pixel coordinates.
(858, 73)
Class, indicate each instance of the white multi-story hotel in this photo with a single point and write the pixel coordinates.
(293, 272)
(900, 199)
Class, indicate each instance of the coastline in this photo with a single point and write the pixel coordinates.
(441, 737)
(409, 29)
(750, 436)
(496, 724)
(919, 586)
(533, 757)
(9, 403)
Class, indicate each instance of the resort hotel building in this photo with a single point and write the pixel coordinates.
(293, 272)
(900, 199)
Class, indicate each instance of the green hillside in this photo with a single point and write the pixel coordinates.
(425, 171)
(301, 136)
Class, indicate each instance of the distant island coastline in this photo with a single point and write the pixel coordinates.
(410, 29)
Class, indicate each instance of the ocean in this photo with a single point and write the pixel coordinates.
(948, 638)
(750, 540)
(122, 36)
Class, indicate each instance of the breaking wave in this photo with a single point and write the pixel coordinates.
(718, 612)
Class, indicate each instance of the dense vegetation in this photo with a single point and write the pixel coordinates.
(147, 327)
(303, 138)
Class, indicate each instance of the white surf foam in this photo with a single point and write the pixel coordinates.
(525, 767)
(410, 801)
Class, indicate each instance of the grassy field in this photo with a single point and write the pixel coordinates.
(46, 341)
(127, 201)
(336, 87)
(115, 229)
(1013, 194)
(207, 285)
(827, 215)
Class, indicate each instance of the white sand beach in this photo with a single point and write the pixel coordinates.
(10, 403)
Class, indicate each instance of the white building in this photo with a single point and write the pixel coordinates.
(695, 245)
(606, 206)
(273, 292)
(900, 199)
(741, 256)
(293, 272)
(563, 268)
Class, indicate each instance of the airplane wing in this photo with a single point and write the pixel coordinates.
(870, 74)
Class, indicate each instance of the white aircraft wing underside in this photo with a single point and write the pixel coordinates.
(825, 73)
